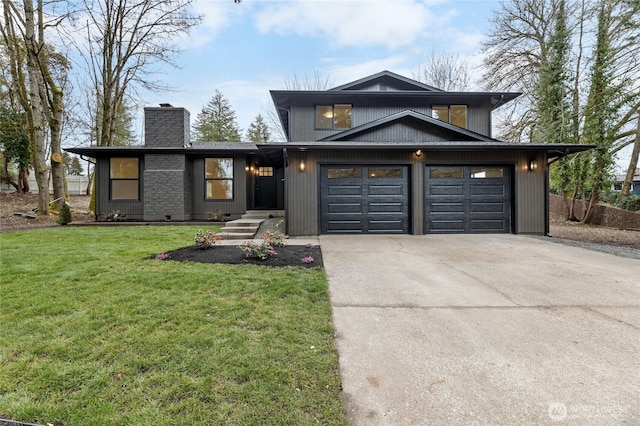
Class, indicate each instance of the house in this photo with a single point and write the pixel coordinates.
(383, 154)
(635, 183)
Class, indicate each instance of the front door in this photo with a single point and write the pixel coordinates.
(266, 188)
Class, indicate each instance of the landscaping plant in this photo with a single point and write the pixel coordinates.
(206, 239)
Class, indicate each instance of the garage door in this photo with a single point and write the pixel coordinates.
(364, 199)
(467, 199)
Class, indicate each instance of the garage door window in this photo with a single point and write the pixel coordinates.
(486, 172)
(385, 172)
(344, 173)
(446, 172)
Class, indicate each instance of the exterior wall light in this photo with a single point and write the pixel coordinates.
(533, 165)
(302, 166)
(419, 153)
(246, 168)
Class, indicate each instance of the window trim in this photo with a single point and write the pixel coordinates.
(333, 116)
(128, 179)
(207, 180)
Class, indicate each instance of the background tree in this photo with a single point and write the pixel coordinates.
(258, 130)
(216, 122)
(72, 165)
(445, 71)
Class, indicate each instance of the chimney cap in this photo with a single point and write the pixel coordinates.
(166, 106)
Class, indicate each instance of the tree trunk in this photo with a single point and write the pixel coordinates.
(633, 164)
(593, 203)
(23, 180)
(38, 148)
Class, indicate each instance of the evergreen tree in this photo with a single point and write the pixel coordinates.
(258, 131)
(216, 122)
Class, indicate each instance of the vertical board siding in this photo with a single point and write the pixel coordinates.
(366, 110)
(134, 210)
(235, 207)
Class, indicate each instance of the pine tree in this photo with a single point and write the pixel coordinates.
(258, 131)
(216, 122)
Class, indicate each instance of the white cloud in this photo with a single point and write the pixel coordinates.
(348, 23)
(216, 16)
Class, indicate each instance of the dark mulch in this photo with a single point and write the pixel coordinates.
(286, 256)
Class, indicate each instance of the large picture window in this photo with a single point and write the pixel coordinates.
(454, 114)
(333, 116)
(124, 178)
(218, 174)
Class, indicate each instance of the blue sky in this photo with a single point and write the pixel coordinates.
(244, 50)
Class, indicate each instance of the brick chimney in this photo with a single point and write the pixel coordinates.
(166, 126)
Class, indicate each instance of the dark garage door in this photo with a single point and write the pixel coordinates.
(467, 199)
(364, 199)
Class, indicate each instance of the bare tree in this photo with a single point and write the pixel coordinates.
(125, 41)
(445, 71)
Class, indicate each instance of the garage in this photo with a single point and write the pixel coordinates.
(357, 199)
(467, 199)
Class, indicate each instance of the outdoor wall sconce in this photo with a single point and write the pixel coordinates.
(302, 166)
(533, 165)
(419, 153)
(246, 168)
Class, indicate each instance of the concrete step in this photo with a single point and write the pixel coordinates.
(241, 223)
(239, 236)
(239, 229)
(262, 214)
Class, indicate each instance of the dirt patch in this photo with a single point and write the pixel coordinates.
(14, 206)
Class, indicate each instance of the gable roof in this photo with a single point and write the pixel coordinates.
(386, 81)
(458, 132)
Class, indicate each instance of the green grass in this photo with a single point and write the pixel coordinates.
(92, 331)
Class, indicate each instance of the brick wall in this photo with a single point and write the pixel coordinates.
(165, 188)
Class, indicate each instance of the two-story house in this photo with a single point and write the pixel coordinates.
(384, 154)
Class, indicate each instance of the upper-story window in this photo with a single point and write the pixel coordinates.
(333, 116)
(124, 178)
(454, 114)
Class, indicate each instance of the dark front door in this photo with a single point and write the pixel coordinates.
(266, 189)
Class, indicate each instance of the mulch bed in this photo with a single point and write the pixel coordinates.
(286, 256)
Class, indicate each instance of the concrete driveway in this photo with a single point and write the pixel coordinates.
(484, 330)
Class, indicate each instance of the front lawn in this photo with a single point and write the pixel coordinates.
(92, 331)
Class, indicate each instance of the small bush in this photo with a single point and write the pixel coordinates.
(116, 216)
(609, 197)
(275, 239)
(64, 216)
(257, 249)
(216, 216)
(206, 239)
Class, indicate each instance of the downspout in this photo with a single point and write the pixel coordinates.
(286, 189)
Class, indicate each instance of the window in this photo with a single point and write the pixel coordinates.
(344, 173)
(486, 172)
(446, 172)
(385, 172)
(124, 178)
(454, 114)
(265, 171)
(333, 116)
(218, 174)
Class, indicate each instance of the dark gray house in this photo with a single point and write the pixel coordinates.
(384, 154)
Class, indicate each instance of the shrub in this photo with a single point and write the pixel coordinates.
(64, 216)
(275, 239)
(631, 202)
(115, 216)
(257, 249)
(206, 239)
(216, 216)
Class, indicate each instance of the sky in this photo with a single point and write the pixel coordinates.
(244, 50)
